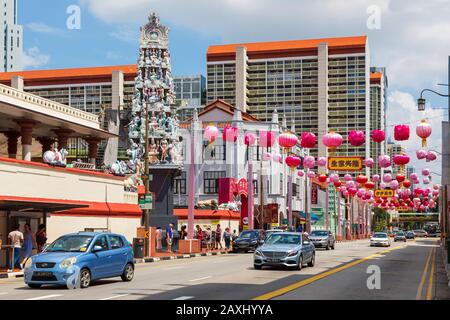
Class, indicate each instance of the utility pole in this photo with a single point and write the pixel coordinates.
(146, 182)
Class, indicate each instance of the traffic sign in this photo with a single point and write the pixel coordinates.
(146, 202)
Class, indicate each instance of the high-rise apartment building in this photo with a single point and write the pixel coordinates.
(11, 37)
(321, 84)
(393, 149)
(190, 94)
(378, 105)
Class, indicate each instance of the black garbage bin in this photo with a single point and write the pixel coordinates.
(138, 248)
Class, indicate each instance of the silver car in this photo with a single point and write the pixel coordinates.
(289, 249)
(380, 239)
(322, 239)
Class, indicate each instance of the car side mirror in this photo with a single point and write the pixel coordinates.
(97, 249)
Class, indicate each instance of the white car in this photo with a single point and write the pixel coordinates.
(380, 239)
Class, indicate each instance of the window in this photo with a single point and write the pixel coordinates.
(116, 242)
(215, 152)
(211, 181)
(179, 184)
(102, 242)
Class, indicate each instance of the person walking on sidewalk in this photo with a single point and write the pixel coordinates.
(218, 237)
(41, 238)
(16, 239)
(159, 237)
(29, 244)
(208, 239)
(227, 238)
(169, 237)
(183, 233)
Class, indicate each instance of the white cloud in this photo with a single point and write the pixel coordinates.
(412, 42)
(125, 34)
(41, 27)
(403, 110)
(33, 58)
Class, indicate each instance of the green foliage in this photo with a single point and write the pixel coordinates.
(380, 219)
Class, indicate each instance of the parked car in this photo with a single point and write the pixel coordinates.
(289, 249)
(271, 231)
(400, 236)
(249, 240)
(380, 239)
(410, 235)
(420, 233)
(94, 255)
(322, 239)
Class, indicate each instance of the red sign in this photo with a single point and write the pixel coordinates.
(314, 191)
(242, 187)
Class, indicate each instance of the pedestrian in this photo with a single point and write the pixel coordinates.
(159, 237)
(234, 235)
(41, 238)
(227, 239)
(300, 228)
(15, 237)
(198, 233)
(218, 237)
(208, 238)
(169, 237)
(29, 244)
(184, 234)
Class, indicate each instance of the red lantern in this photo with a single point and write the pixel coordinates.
(401, 132)
(293, 162)
(332, 140)
(369, 185)
(230, 134)
(287, 140)
(423, 130)
(337, 184)
(352, 191)
(401, 159)
(308, 140)
(266, 139)
(400, 178)
(356, 138)
(407, 183)
(378, 136)
(322, 178)
(249, 139)
(361, 179)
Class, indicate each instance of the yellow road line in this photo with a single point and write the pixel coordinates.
(424, 273)
(325, 274)
(430, 280)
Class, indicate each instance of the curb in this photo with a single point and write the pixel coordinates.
(181, 256)
(11, 275)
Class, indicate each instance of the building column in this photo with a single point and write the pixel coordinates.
(12, 137)
(322, 59)
(241, 78)
(26, 133)
(62, 137)
(93, 149)
(46, 143)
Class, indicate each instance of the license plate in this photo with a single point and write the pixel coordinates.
(42, 274)
(273, 260)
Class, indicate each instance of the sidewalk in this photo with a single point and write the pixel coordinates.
(162, 256)
(442, 276)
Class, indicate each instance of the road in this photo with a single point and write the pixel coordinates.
(406, 271)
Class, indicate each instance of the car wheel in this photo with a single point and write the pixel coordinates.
(34, 285)
(300, 263)
(85, 278)
(128, 273)
(257, 267)
(313, 260)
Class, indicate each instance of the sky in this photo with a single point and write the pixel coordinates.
(409, 38)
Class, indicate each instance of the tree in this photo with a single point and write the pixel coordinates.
(380, 219)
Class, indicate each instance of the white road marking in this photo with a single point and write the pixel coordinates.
(199, 279)
(220, 261)
(45, 297)
(174, 268)
(184, 298)
(115, 297)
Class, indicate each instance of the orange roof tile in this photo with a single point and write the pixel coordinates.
(289, 45)
(69, 73)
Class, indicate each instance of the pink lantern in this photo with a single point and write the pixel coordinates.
(426, 180)
(348, 177)
(352, 191)
(356, 138)
(369, 162)
(349, 184)
(432, 155)
(311, 174)
(267, 156)
(332, 140)
(423, 130)
(334, 177)
(345, 193)
(322, 161)
(401, 132)
(384, 161)
(293, 161)
(393, 184)
(287, 140)
(387, 177)
(210, 134)
(301, 173)
(378, 135)
(425, 172)
(436, 186)
(266, 139)
(421, 154)
(435, 193)
(230, 134)
(309, 162)
(413, 176)
(249, 139)
(308, 140)
(376, 177)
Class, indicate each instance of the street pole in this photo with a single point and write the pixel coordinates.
(339, 214)
(326, 207)
(146, 182)
(290, 199)
(250, 189)
(192, 184)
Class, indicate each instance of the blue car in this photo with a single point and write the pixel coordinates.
(76, 259)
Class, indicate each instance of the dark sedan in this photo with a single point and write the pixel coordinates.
(248, 240)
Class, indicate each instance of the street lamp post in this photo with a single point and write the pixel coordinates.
(146, 181)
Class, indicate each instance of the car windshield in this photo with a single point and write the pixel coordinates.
(282, 238)
(400, 234)
(380, 235)
(248, 234)
(75, 243)
(319, 233)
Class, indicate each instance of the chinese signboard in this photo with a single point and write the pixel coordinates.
(384, 193)
(314, 194)
(345, 163)
(331, 199)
